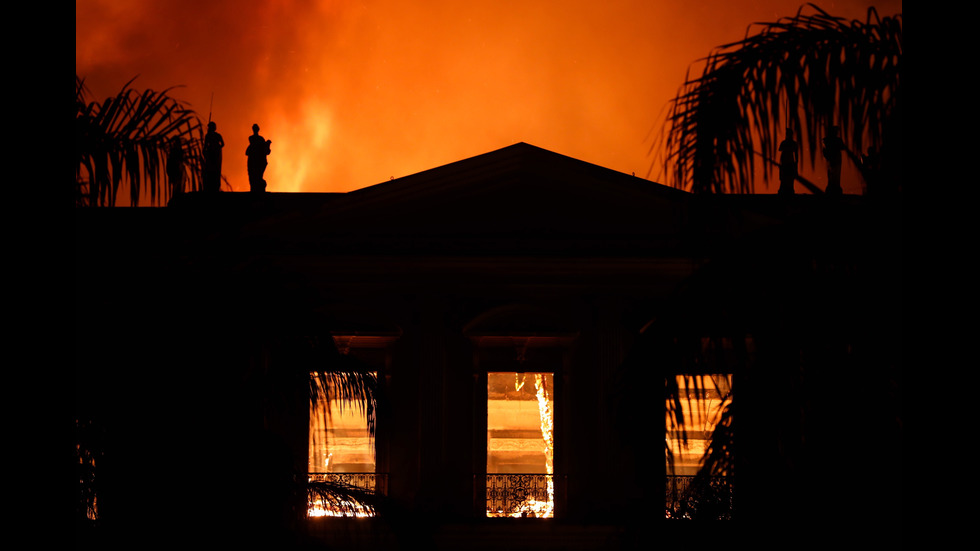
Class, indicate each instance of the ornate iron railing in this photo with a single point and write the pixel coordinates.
(520, 495)
(690, 497)
(373, 482)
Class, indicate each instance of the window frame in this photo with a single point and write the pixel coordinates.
(520, 354)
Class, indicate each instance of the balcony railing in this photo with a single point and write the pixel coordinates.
(327, 504)
(520, 495)
(691, 498)
(374, 482)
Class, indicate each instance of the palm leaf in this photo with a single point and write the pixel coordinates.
(126, 138)
(344, 380)
(344, 499)
(806, 72)
(354, 388)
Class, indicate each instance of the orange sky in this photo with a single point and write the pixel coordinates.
(352, 93)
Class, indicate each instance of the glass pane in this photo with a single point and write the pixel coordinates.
(339, 437)
(341, 453)
(520, 444)
(702, 399)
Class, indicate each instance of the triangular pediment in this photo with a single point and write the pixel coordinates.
(517, 190)
(520, 199)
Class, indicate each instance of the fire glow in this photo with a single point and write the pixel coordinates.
(340, 444)
(547, 433)
(520, 446)
(702, 409)
(353, 93)
(318, 509)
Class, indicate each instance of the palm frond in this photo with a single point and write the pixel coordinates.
(343, 499)
(354, 388)
(340, 379)
(718, 459)
(806, 72)
(127, 138)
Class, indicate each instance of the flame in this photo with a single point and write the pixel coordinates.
(317, 508)
(352, 93)
(547, 428)
(532, 508)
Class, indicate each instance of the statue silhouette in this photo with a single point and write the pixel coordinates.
(175, 167)
(257, 151)
(213, 142)
(832, 148)
(788, 162)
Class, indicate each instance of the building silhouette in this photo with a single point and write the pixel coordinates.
(193, 323)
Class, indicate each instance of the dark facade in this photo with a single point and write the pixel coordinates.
(188, 321)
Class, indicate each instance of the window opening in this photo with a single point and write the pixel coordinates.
(696, 405)
(342, 453)
(520, 445)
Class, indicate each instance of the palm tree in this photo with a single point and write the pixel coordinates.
(808, 320)
(806, 72)
(130, 137)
